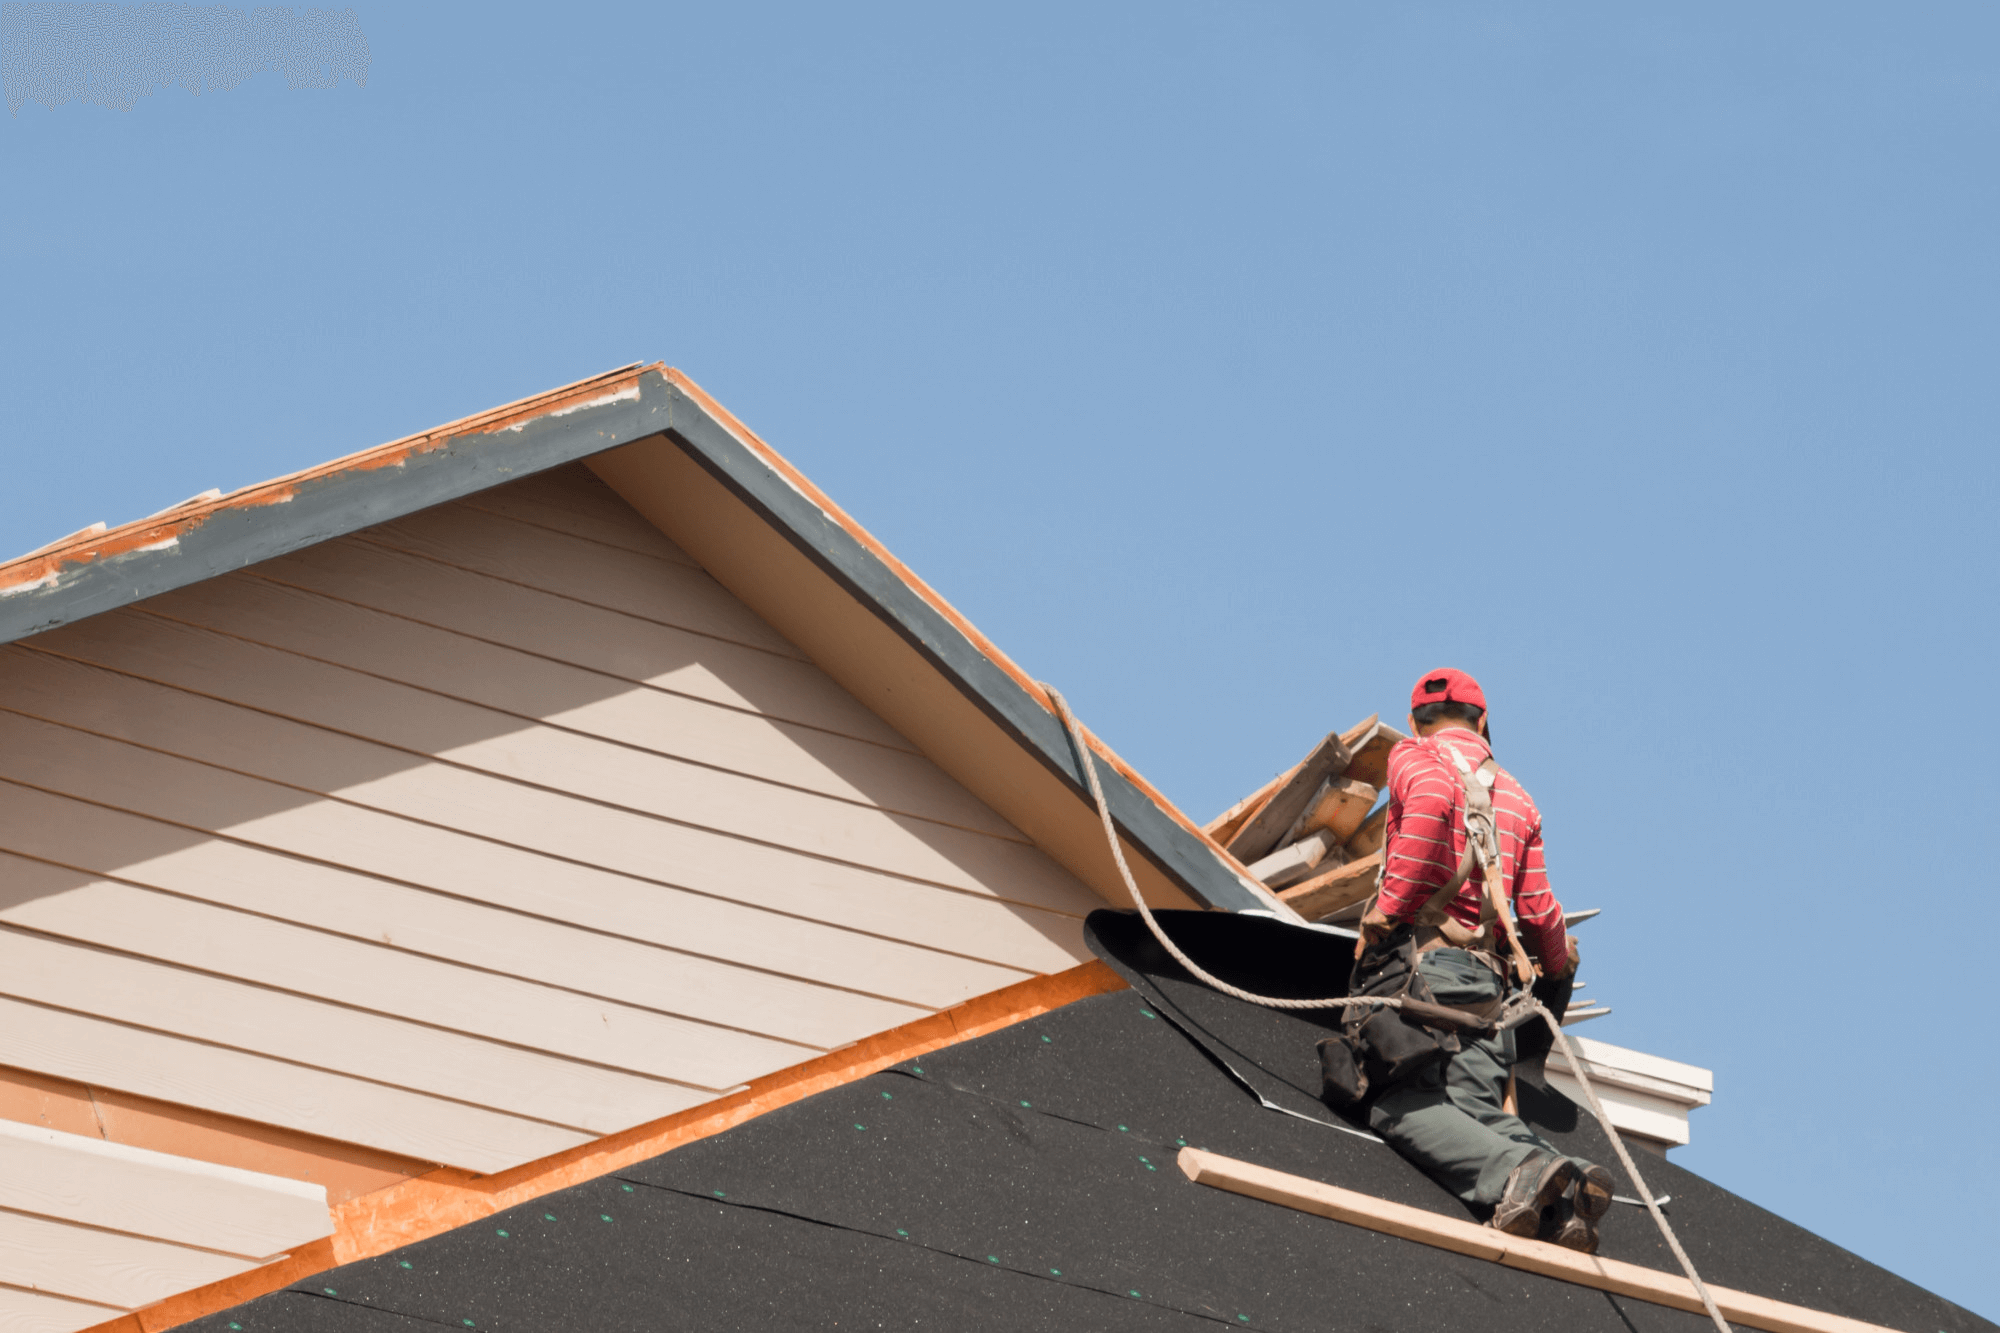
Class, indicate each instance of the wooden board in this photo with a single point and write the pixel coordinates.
(1281, 809)
(1325, 894)
(1225, 825)
(312, 1101)
(1297, 860)
(1367, 839)
(1337, 810)
(86, 1264)
(1370, 743)
(121, 1188)
(1463, 1237)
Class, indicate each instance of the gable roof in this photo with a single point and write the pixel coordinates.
(659, 439)
(1026, 1180)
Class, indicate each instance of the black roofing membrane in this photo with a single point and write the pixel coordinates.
(1026, 1180)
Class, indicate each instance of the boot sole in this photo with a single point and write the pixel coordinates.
(1525, 1219)
(1593, 1193)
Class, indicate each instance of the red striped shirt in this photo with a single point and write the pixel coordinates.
(1425, 837)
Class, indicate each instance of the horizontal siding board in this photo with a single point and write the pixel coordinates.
(571, 499)
(636, 585)
(437, 720)
(103, 1266)
(571, 631)
(425, 990)
(179, 791)
(539, 820)
(38, 1312)
(252, 1017)
(155, 1194)
(105, 841)
(254, 1087)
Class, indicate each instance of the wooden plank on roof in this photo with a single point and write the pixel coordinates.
(377, 1046)
(594, 831)
(1280, 810)
(85, 1264)
(1534, 1256)
(1225, 825)
(1322, 895)
(1370, 743)
(1367, 839)
(642, 586)
(1337, 809)
(254, 1087)
(565, 899)
(122, 1188)
(612, 758)
(563, 630)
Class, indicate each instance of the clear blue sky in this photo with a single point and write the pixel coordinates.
(1231, 365)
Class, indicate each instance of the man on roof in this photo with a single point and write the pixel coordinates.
(1450, 1117)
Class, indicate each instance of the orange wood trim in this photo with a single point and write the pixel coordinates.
(414, 1209)
(985, 645)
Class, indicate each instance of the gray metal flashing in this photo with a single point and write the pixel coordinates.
(322, 508)
(1179, 854)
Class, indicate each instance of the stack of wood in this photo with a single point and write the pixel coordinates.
(1314, 832)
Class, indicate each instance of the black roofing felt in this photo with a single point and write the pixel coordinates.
(1026, 1180)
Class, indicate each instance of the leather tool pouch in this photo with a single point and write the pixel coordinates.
(1380, 1047)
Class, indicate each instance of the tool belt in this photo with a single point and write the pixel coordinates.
(1378, 1047)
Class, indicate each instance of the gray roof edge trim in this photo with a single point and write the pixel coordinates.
(322, 508)
(1181, 856)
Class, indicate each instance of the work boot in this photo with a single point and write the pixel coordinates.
(1533, 1187)
(1592, 1194)
(1567, 1227)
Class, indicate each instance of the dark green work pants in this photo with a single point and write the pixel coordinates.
(1449, 1119)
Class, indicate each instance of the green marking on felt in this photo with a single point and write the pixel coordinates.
(918, 1068)
(406, 1263)
(1243, 1319)
(604, 1217)
(861, 1126)
(1150, 1014)
(887, 1098)
(1123, 1130)
(1056, 1271)
(1131, 1293)
(626, 1188)
(329, 1291)
(501, 1234)
(237, 1327)
(1029, 1107)
(901, 1232)
(719, 1194)
(548, 1217)
(992, 1258)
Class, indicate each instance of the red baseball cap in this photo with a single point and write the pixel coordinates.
(1447, 686)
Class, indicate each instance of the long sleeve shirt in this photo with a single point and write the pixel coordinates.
(1424, 837)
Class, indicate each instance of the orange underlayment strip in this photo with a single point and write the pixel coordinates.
(414, 1209)
(1533, 1256)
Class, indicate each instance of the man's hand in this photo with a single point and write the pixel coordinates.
(1374, 925)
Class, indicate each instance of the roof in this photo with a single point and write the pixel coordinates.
(1025, 1180)
(640, 426)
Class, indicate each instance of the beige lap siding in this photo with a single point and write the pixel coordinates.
(474, 835)
(89, 1228)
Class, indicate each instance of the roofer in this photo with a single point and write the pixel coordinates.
(1449, 1116)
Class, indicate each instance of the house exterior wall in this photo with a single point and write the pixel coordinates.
(474, 836)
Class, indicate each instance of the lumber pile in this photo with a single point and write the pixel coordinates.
(1314, 832)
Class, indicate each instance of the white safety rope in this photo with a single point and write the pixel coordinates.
(1347, 1001)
